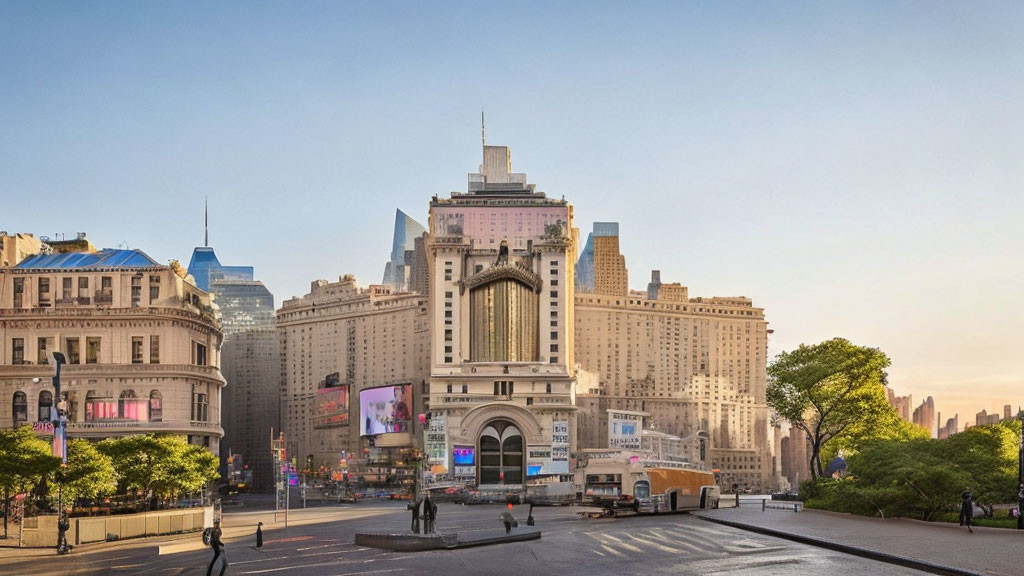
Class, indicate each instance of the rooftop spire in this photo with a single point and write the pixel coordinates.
(483, 133)
(206, 221)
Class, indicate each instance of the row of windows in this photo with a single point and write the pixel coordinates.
(126, 407)
(93, 347)
(103, 295)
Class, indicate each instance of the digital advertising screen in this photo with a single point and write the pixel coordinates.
(330, 408)
(385, 410)
(464, 456)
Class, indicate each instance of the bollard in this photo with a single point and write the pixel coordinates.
(795, 507)
(259, 535)
(762, 504)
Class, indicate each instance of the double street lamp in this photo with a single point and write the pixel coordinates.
(60, 449)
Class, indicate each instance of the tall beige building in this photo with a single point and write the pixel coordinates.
(142, 345)
(924, 416)
(336, 341)
(901, 404)
(610, 275)
(16, 247)
(697, 365)
(501, 314)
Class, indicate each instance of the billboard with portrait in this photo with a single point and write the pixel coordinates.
(385, 410)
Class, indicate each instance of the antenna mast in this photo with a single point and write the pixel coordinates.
(483, 132)
(206, 221)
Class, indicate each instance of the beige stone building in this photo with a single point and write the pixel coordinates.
(610, 275)
(337, 341)
(697, 365)
(142, 345)
(501, 315)
(16, 247)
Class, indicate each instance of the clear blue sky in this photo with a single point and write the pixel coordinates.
(855, 169)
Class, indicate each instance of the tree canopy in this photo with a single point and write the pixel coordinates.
(165, 466)
(25, 459)
(832, 391)
(89, 473)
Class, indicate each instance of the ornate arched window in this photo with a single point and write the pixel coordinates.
(156, 406)
(504, 306)
(20, 408)
(131, 407)
(45, 406)
(501, 454)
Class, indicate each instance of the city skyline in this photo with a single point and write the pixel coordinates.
(852, 170)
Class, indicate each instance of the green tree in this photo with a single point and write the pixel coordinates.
(163, 466)
(987, 455)
(829, 390)
(89, 474)
(25, 459)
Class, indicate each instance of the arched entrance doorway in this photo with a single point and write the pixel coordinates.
(501, 453)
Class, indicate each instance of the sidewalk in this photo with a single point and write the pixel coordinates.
(939, 548)
(236, 525)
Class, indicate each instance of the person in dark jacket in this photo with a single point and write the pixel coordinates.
(218, 550)
(415, 507)
(967, 509)
(509, 520)
(429, 509)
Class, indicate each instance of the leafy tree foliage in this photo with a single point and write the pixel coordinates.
(25, 459)
(923, 478)
(832, 391)
(163, 466)
(89, 474)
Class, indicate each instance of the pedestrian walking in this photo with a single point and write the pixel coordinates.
(967, 509)
(218, 550)
(415, 507)
(509, 520)
(429, 512)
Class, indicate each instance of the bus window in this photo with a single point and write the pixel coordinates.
(641, 490)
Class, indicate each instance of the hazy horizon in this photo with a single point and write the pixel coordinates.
(854, 169)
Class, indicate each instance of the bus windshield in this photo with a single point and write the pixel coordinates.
(641, 489)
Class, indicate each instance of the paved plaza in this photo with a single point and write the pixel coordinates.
(320, 541)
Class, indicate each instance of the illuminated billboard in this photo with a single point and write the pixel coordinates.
(330, 408)
(385, 410)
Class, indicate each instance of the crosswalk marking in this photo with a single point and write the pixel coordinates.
(623, 544)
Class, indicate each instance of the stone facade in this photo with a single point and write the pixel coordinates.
(143, 348)
(696, 365)
(501, 358)
(366, 337)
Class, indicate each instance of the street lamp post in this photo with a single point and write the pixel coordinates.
(1020, 473)
(60, 448)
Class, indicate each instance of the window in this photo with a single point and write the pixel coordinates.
(448, 335)
(447, 359)
(554, 335)
(17, 351)
(547, 388)
(92, 350)
(154, 289)
(83, 288)
(44, 292)
(554, 293)
(44, 346)
(200, 407)
(20, 408)
(554, 313)
(554, 262)
(554, 281)
(45, 406)
(447, 294)
(554, 360)
(199, 354)
(447, 313)
(156, 406)
(137, 291)
(554, 347)
(136, 349)
(503, 388)
(154, 349)
(65, 293)
(72, 350)
(132, 408)
(447, 349)
(449, 388)
(478, 268)
(19, 289)
(465, 388)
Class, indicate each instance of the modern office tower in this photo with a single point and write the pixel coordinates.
(142, 346)
(951, 427)
(16, 247)
(501, 316)
(607, 258)
(654, 285)
(1007, 412)
(901, 404)
(398, 271)
(340, 345)
(696, 365)
(251, 364)
(924, 416)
